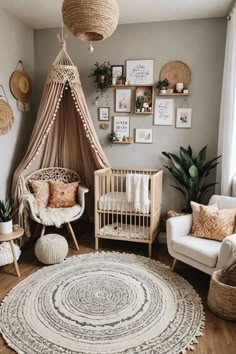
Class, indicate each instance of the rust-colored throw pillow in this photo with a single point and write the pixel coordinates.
(41, 192)
(196, 210)
(215, 225)
(62, 195)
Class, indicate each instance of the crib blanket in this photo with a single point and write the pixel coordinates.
(117, 201)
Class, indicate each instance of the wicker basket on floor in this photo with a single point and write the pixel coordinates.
(222, 293)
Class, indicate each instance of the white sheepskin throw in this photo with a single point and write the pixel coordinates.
(51, 249)
(6, 254)
(58, 216)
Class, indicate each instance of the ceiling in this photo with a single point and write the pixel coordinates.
(47, 13)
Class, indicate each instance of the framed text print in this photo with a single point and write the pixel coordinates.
(139, 71)
(121, 127)
(164, 112)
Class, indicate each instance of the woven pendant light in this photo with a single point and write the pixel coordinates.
(90, 20)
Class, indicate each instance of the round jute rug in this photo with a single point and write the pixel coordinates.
(102, 303)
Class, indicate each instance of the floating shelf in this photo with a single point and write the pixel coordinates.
(122, 86)
(122, 142)
(173, 94)
(143, 113)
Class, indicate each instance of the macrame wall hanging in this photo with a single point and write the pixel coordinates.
(91, 20)
(6, 113)
(21, 87)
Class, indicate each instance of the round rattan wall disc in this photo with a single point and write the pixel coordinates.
(20, 85)
(6, 117)
(176, 71)
(90, 20)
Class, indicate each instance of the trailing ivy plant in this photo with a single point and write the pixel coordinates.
(102, 76)
(190, 174)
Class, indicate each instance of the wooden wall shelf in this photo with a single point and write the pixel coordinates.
(143, 113)
(173, 94)
(122, 142)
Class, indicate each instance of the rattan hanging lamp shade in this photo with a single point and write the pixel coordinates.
(91, 20)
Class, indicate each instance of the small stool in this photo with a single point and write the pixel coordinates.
(51, 249)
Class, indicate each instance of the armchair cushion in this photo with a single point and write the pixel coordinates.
(58, 216)
(215, 225)
(62, 195)
(41, 192)
(201, 250)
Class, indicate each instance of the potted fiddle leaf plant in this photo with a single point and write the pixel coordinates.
(6, 216)
(102, 75)
(190, 174)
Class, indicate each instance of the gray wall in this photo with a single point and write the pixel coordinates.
(16, 43)
(199, 43)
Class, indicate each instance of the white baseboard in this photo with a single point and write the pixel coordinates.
(162, 237)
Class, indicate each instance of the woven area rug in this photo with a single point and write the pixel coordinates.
(102, 303)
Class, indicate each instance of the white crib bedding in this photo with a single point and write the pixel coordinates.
(117, 201)
(125, 231)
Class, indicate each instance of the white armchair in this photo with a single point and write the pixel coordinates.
(203, 254)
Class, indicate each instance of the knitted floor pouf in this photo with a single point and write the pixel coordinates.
(51, 249)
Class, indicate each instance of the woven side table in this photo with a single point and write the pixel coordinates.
(10, 238)
(222, 293)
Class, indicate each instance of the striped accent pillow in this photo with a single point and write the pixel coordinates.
(41, 192)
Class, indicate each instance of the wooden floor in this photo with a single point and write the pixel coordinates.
(219, 335)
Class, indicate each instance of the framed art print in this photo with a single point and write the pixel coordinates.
(140, 71)
(117, 71)
(143, 136)
(184, 118)
(164, 111)
(123, 100)
(104, 114)
(121, 127)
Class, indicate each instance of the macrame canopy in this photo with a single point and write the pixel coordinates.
(63, 134)
(91, 20)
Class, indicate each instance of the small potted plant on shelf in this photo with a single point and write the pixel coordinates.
(6, 216)
(111, 138)
(162, 86)
(139, 103)
(102, 76)
(121, 80)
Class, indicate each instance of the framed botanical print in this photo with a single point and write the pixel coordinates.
(104, 114)
(184, 118)
(140, 71)
(117, 71)
(164, 112)
(121, 127)
(143, 136)
(123, 100)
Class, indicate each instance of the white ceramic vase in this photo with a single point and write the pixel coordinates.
(179, 87)
(6, 227)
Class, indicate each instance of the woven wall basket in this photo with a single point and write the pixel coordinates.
(6, 117)
(90, 20)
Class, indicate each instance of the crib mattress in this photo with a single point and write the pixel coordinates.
(121, 231)
(117, 201)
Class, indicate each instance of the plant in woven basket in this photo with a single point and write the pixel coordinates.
(102, 76)
(190, 174)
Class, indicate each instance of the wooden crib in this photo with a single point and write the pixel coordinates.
(115, 218)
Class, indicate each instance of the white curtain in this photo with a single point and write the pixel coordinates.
(227, 128)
